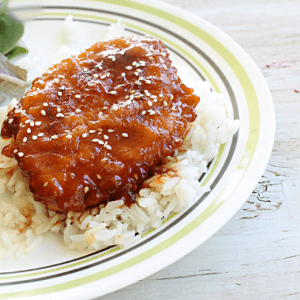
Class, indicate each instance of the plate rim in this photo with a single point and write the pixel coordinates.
(264, 87)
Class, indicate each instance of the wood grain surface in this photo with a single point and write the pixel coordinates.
(256, 255)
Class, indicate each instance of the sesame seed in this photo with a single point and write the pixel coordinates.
(152, 112)
(69, 136)
(59, 115)
(86, 189)
(105, 144)
(115, 107)
(111, 57)
(165, 103)
(104, 159)
(45, 104)
(84, 135)
(27, 121)
(21, 154)
(100, 142)
(172, 97)
(100, 114)
(41, 134)
(38, 123)
(124, 134)
(177, 140)
(138, 82)
(113, 92)
(149, 103)
(150, 57)
(96, 75)
(25, 139)
(61, 76)
(56, 80)
(132, 92)
(161, 95)
(110, 130)
(95, 140)
(136, 73)
(148, 81)
(173, 108)
(161, 60)
(99, 176)
(43, 112)
(103, 76)
(77, 110)
(128, 102)
(143, 112)
(92, 131)
(126, 97)
(108, 147)
(45, 184)
(58, 109)
(165, 67)
(59, 93)
(77, 96)
(54, 137)
(128, 68)
(28, 130)
(134, 63)
(105, 137)
(10, 121)
(34, 137)
(123, 74)
(139, 70)
(15, 151)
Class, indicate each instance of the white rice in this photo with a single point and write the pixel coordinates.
(23, 221)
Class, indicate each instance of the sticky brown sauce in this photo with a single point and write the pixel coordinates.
(93, 127)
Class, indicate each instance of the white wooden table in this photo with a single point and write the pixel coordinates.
(256, 255)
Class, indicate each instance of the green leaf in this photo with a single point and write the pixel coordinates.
(11, 30)
(18, 50)
(3, 7)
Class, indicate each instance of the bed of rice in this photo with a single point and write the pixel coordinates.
(23, 222)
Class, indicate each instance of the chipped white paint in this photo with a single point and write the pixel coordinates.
(256, 255)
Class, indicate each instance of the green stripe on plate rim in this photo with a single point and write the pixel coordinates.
(254, 126)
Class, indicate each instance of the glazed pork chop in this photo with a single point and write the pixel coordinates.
(93, 127)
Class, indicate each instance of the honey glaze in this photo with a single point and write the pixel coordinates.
(91, 128)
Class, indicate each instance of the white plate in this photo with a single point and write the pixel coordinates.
(55, 273)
